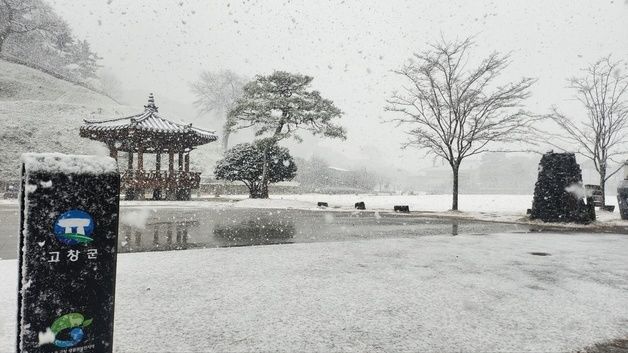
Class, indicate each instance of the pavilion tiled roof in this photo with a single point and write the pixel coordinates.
(148, 121)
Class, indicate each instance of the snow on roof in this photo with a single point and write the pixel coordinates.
(149, 120)
(67, 163)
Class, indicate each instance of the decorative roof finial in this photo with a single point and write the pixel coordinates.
(151, 103)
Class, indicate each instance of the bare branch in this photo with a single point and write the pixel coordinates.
(603, 131)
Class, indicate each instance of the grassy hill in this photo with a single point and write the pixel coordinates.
(40, 113)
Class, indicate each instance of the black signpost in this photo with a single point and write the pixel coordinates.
(67, 253)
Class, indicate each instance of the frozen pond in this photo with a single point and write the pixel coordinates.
(170, 228)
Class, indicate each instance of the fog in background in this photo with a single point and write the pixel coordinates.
(350, 48)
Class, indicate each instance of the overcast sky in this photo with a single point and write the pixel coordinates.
(348, 46)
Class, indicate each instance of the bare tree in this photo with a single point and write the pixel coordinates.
(456, 112)
(217, 92)
(603, 135)
(25, 16)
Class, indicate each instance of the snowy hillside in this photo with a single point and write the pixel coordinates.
(40, 113)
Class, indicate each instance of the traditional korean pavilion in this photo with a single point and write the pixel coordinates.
(151, 133)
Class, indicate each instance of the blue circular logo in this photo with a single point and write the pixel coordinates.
(74, 227)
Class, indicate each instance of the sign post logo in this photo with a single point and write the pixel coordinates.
(67, 331)
(74, 227)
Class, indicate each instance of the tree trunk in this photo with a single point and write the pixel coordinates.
(603, 186)
(225, 138)
(264, 182)
(254, 191)
(454, 202)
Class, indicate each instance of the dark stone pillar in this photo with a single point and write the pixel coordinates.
(67, 254)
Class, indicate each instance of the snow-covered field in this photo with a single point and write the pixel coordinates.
(437, 203)
(497, 208)
(437, 294)
(500, 208)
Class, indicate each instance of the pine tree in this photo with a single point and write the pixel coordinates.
(281, 105)
(245, 162)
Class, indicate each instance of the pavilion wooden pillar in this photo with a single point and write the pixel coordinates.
(113, 152)
(158, 161)
(139, 191)
(140, 159)
(180, 160)
(158, 190)
(187, 162)
(130, 160)
(170, 161)
(170, 189)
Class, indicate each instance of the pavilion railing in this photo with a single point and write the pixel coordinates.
(160, 179)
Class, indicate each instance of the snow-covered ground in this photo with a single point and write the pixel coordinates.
(437, 294)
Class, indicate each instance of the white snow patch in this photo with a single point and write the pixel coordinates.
(577, 190)
(101, 150)
(46, 184)
(46, 337)
(137, 218)
(67, 163)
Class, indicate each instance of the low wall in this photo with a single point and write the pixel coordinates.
(241, 189)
